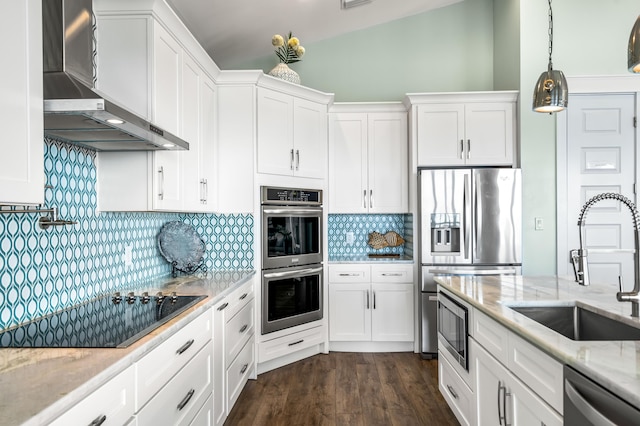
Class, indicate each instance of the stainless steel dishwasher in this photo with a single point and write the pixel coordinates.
(588, 403)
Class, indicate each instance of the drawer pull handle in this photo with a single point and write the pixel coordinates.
(452, 392)
(395, 274)
(98, 420)
(186, 399)
(244, 368)
(344, 274)
(184, 347)
(243, 328)
(224, 305)
(243, 296)
(296, 343)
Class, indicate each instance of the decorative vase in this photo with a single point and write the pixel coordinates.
(282, 71)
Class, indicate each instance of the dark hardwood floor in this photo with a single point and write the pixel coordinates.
(346, 389)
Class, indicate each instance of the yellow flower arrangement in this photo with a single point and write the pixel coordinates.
(288, 51)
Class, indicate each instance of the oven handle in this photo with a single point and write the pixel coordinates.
(297, 272)
(292, 211)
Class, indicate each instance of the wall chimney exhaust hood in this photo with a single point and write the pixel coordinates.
(73, 111)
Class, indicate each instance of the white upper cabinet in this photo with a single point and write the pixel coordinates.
(465, 129)
(22, 163)
(292, 135)
(167, 66)
(368, 161)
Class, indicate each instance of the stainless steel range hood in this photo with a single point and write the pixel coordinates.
(73, 111)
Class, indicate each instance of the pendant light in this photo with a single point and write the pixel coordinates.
(634, 48)
(551, 91)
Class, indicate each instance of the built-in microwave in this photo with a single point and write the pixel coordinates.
(453, 323)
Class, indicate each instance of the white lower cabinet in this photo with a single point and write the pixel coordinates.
(113, 402)
(205, 415)
(371, 303)
(233, 348)
(503, 399)
(456, 392)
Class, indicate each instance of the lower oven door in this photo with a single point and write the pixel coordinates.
(291, 296)
(453, 320)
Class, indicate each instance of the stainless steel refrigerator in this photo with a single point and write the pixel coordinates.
(470, 224)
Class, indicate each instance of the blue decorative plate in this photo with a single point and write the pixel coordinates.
(181, 245)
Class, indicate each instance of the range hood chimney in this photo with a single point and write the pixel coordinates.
(73, 111)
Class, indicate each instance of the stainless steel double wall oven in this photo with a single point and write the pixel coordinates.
(291, 257)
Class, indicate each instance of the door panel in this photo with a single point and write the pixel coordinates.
(601, 158)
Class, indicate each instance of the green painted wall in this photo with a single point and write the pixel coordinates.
(448, 49)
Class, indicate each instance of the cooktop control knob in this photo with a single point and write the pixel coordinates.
(145, 298)
(131, 298)
(174, 297)
(116, 298)
(160, 297)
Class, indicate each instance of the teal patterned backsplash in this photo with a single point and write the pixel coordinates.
(361, 225)
(42, 271)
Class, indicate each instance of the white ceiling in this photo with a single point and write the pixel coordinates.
(234, 31)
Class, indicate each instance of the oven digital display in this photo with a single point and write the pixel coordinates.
(289, 195)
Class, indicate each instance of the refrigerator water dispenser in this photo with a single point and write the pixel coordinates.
(445, 233)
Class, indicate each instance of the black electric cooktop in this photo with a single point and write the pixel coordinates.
(109, 321)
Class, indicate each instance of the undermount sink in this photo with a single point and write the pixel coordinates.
(580, 321)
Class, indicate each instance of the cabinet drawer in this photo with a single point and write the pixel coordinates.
(492, 335)
(205, 415)
(392, 273)
(349, 273)
(239, 298)
(538, 370)
(238, 373)
(179, 401)
(163, 362)
(114, 401)
(456, 392)
(238, 330)
(291, 343)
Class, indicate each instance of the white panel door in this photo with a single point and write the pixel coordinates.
(310, 138)
(392, 312)
(348, 163)
(349, 312)
(601, 158)
(275, 133)
(441, 135)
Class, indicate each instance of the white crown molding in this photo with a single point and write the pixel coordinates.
(603, 83)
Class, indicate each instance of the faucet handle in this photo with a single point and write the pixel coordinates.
(620, 283)
(580, 267)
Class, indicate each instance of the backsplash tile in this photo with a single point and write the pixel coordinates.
(42, 271)
(361, 225)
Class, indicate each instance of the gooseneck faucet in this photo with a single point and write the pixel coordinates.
(579, 257)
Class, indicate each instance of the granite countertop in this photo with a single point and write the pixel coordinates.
(39, 384)
(613, 364)
(363, 258)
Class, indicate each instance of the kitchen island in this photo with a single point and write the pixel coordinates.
(39, 384)
(613, 364)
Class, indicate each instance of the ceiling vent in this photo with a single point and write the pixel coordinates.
(348, 4)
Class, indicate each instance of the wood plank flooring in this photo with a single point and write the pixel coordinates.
(346, 389)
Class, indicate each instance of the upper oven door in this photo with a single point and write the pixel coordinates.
(291, 236)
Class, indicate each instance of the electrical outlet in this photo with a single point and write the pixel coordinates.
(539, 226)
(350, 238)
(128, 256)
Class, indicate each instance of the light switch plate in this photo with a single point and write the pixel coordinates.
(539, 226)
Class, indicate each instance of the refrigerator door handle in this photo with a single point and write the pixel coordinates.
(465, 213)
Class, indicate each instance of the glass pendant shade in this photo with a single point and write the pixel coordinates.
(551, 92)
(634, 48)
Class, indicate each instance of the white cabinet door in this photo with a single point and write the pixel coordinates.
(474, 134)
(276, 154)
(207, 161)
(190, 94)
(502, 399)
(440, 135)
(310, 138)
(368, 163)
(167, 184)
(22, 162)
(167, 60)
(348, 163)
(489, 133)
(219, 363)
(388, 163)
(392, 312)
(350, 312)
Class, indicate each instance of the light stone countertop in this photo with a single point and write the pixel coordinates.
(613, 364)
(367, 259)
(37, 385)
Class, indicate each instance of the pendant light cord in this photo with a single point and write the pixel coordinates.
(550, 35)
